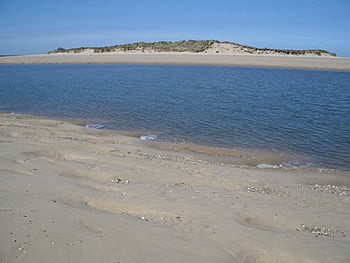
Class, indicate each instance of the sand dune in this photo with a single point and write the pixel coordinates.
(304, 62)
(72, 194)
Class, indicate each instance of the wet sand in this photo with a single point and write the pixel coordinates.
(73, 194)
(293, 62)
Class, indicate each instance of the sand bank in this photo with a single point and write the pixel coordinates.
(315, 63)
(73, 194)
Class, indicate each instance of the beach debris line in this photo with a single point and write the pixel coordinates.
(341, 190)
(263, 190)
(320, 231)
(95, 126)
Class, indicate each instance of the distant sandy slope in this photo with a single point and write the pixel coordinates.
(323, 63)
(72, 194)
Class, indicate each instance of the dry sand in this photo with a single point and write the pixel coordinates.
(73, 194)
(302, 62)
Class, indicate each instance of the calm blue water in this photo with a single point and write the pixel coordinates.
(304, 112)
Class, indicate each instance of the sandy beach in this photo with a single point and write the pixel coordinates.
(73, 194)
(273, 61)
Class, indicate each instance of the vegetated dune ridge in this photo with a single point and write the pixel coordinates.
(193, 46)
(73, 194)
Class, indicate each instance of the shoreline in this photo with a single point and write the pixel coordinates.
(248, 157)
(70, 193)
(259, 61)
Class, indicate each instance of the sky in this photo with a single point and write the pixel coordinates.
(37, 26)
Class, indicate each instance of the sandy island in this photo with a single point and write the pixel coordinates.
(274, 61)
(73, 194)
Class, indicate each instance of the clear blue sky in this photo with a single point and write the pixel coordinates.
(28, 27)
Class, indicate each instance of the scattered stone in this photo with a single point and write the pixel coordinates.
(120, 181)
(182, 184)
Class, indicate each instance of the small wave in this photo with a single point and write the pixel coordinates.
(95, 126)
(148, 137)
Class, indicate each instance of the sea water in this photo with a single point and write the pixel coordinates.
(297, 111)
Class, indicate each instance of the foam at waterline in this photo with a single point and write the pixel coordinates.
(148, 137)
(95, 126)
(267, 166)
(289, 165)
